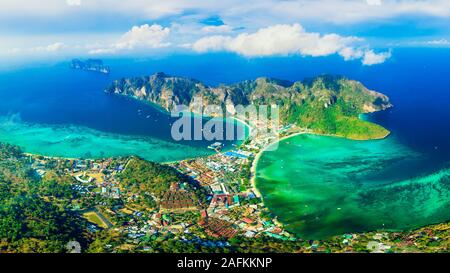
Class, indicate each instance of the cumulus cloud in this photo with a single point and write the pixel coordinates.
(148, 36)
(276, 40)
(350, 53)
(139, 37)
(42, 18)
(290, 39)
(212, 43)
(371, 58)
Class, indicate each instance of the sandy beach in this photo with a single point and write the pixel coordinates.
(258, 155)
(256, 159)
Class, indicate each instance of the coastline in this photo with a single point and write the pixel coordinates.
(257, 158)
(260, 152)
(241, 121)
(253, 164)
(255, 161)
(54, 157)
(251, 127)
(247, 136)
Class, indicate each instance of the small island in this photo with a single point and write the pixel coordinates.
(94, 65)
(329, 105)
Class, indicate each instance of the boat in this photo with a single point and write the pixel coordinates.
(217, 146)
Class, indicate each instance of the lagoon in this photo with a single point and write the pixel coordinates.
(57, 111)
(320, 186)
(53, 110)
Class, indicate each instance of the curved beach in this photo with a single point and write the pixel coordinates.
(326, 186)
(256, 159)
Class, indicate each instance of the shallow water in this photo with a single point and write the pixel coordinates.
(400, 182)
(82, 142)
(322, 186)
(57, 111)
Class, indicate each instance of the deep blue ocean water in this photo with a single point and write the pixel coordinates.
(54, 99)
(53, 110)
(416, 80)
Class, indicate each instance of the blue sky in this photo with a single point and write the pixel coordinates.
(363, 30)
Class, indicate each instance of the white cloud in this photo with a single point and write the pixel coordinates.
(236, 11)
(281, 40)
(350, 53)
(139, 37)
(290, 39)
(42, 18)
(373, 2)
(440, 42)
(153, 36)
(277, 40)
(437, 42)
(50, 48)
(73, 2)
(354, 11)
(217, 29)
(371, 58)
(100, 51)
(212, 43)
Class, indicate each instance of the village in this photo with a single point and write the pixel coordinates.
(234, 207)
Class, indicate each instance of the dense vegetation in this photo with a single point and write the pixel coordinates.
(34, 217)
(152, 180)
(340, 119)
(326, 104)
(35, 214)
(28, 221)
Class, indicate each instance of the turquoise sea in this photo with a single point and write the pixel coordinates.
(73, 141)
(317, 186)
(322, 186)
(56, 111)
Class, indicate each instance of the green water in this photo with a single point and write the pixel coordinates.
(77, 141)
(322, 186)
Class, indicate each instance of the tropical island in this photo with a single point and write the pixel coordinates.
(206, 204)
(132, 205)
(324, 105)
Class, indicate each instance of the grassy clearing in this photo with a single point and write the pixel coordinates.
(94, 218)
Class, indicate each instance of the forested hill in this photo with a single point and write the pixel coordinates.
(325, 104)
(28, 221)
(43, 214)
